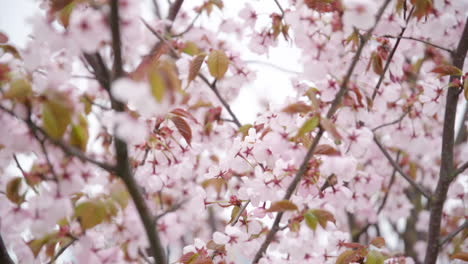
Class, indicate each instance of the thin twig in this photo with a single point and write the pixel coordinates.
(400, 170)
(420, 40)
(391, 123)
(333, 108)
(453, 234)
(242, 209)
(460, 169)
(173, 11)
(170, 210)
(355, 236)
(157, 9)
(204, 79)
(190, 26)
(280, 8)
(62, 250)
(390, 56)
(67, 149)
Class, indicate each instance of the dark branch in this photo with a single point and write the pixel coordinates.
(400, 170)
(446, 155)
(461, 169)
(453, 234)
(390, 57)
(62, 250)
(4, 256)
(280, 8)
(123, 168)
(420, 40)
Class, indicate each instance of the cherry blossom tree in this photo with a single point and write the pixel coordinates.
(119, 144)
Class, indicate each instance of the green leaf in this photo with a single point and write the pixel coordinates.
(308, 126)
(79, 134)
(235, 211)
(158, 86)
(323, 217)
(13, 190)
(375, 257)
(20, 89)
(91, 213)
(191, 48)
(119, 193)
(311, 220)
(56, 114)
(218, 63)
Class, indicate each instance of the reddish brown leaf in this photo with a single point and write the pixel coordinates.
(447, 69)
(323, 217)
(378, 242)
(460, 255)
(298, 107)
(183, 128)
(326, 149)
(182, 113)
(281, 206)
(195, 66)
(330, 128)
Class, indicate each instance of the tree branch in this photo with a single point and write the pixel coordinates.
(62, 250)
(390, 56)
(333, 108)
(280, 8)
(400, 170)
(355, 236)
(67, 149)
(4, 256)
(420, 40)
(453, 234)
(446, 167)
(123, 168)
(200, 75)
(461, 169)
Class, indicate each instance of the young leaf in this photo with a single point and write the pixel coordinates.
(235, 211)
(446, 69)
(79, 134)
(308, 126)
(298, 107)
(182, 113)
(281, 206)
(311, 220)
(326, 149)
(323, 217)
(195, 66)
(20, 89)
(183, 128)
(460, 255)
(218, 63)
(378, 242)
(13, 190)
(375, 257)
(158, 87)
(56, 114)
(91, 213)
